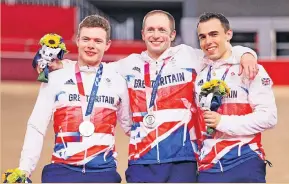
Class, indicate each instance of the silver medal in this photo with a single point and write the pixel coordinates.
(149, 121)
(86, 128)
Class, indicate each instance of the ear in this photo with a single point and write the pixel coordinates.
(107, 45)
(60, 54)
(173, 35)
(57, 50)
(142, 35)
(43, 48)
(77, 41)
(36, 58)
(229, 35)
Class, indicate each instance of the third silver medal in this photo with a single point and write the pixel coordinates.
(149, 121)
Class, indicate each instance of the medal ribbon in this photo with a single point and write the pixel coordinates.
(93, 93)
(224, 75)
(152, 91)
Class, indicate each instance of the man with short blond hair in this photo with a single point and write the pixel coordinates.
(153, 12)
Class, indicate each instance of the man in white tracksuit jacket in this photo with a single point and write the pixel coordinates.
(85, 101)
(234, 152)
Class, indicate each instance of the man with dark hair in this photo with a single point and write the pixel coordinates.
(208, 16)
(233, 153)
(85, 102)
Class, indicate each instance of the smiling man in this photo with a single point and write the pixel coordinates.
(233, 153)
(85, 101)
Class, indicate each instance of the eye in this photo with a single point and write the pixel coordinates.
(50, 54)
(44, 52)
(150, 29)
(201, 37)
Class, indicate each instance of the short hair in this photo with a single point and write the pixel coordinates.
(92, 21)
(153, 12)
(208, 16)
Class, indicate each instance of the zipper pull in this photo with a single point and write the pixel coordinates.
(269, 163)
(83, 169)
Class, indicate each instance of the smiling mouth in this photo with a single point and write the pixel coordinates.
(89, 53)
(156, 42)
(211, 49)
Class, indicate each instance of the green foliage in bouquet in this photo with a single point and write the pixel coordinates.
(14, 176)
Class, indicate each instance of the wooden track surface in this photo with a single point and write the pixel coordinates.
(17, 101)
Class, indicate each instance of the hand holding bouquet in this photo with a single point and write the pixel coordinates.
(212, 93)
(15, 176)
(52, 48)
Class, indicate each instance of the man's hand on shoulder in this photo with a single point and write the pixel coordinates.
(249, 65)
(55, 65)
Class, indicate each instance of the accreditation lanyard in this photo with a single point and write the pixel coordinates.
(209, 75)
(151, 91)
(93, 93)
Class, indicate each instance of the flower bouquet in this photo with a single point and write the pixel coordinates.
(52, 48)
(15, 176)
(212, 93)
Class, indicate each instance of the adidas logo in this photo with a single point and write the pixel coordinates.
(201, 82)
(136, 69)
(70, 81)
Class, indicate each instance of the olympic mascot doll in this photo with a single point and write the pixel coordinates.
(52, 48)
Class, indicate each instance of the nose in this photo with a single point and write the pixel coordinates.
(91, 44)
(208, 40)
(156, 34)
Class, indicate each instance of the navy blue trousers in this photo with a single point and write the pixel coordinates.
(56, 173)
(250, 171)
(176, 172)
